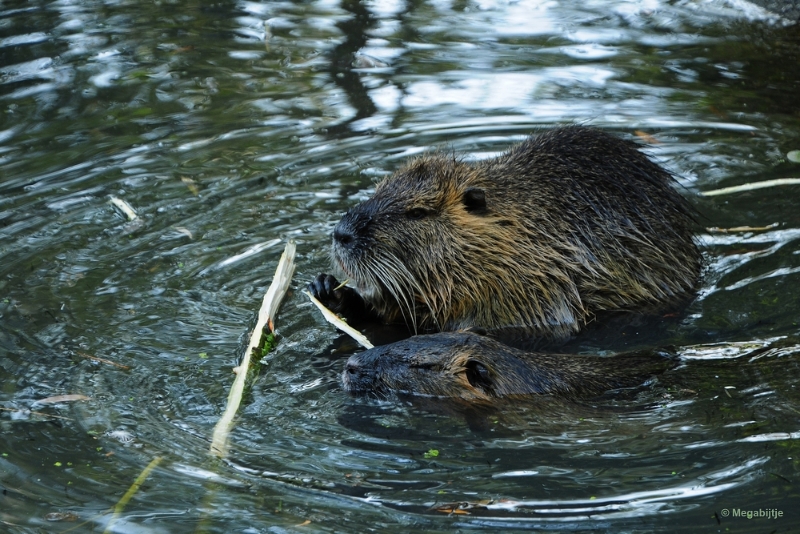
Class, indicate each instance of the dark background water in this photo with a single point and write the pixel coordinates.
(233, 126)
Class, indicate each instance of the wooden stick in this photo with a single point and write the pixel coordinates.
(120, 506)
(269, 306)
(751, 186)
(17, 410)
(737, 229)
(101, 360)
(124, 207)
(339, 323)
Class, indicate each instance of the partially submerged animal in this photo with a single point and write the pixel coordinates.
(474, 367)
(530, 244)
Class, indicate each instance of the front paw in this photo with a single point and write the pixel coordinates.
(326, 289)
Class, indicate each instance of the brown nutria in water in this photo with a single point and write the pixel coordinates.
(532, 243)
(473, 367)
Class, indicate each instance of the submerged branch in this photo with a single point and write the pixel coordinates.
(120, 506)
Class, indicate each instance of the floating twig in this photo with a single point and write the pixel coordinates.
(102, 360)
(336, 321)
(124, 207)
(251, 251)
(31, 412)
(191, 184)
(737, 229)
(120, 506)
(646, 137)
(58, 399)
(750, 186)
(184, 231)
(269, 306)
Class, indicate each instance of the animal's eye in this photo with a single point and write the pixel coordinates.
(417, 213)
(478, 375)
(475, 200)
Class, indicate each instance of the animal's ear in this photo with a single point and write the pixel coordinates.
(475, 200)
(478, 375)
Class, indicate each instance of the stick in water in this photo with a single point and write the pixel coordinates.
(124, 207)
(120, 506)
(269, 306)
(751, 186)
(338, 323)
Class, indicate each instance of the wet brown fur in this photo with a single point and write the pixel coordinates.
(562, 226)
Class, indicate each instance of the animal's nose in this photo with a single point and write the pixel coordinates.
(353, 224)
(343, 235)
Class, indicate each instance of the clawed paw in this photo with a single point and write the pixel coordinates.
(327, 289)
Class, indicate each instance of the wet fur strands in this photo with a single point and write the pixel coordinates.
(534, 242)
(476, 368)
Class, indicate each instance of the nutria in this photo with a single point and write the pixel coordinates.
(532, 243)
(473, 367)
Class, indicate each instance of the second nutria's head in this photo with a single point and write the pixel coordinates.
(462, 365)
(473, 367)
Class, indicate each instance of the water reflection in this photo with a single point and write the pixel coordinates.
(232, 127)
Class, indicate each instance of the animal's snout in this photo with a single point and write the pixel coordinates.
(351, 367)
(353, 225)
(343, 235)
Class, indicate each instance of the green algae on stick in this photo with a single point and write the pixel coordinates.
(269, 307)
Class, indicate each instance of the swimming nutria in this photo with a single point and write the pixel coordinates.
(474, 367)
(532, 243)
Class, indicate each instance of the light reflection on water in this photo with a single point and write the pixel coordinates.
(229, 135)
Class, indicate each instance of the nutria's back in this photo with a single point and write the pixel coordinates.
(474, 367)
(538, 240)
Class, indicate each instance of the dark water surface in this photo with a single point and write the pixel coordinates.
(231, 127)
